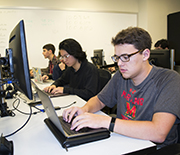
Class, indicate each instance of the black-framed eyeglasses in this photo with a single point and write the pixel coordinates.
(65, 56)
(124, 57)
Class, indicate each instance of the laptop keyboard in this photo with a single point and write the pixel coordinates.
(66, 127)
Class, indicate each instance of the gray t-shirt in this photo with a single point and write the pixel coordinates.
(159, 92)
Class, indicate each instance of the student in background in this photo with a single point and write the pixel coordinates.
(162, 44)
(48, 52)
(80, 77)
(147, 97)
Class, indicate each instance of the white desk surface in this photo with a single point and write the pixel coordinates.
(36, 138)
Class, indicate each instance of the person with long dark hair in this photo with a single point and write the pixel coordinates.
(80, 77)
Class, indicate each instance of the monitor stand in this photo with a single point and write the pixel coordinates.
(34, 102)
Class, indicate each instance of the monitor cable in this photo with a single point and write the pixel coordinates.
(15, 108)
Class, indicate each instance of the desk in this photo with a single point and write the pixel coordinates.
(44, 84)
(35, 138)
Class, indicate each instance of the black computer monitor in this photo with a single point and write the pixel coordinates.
(161, 58)
(17, 43)
(173, 34)
(98, 57)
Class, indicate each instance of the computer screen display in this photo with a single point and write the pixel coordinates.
(161, 58)
(17, 43)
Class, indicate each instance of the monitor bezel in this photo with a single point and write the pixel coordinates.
(17, 43)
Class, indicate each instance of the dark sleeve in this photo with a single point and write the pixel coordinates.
(50, 76)
(63, 79)
(90, 86)
(45, 71)
(57, 72)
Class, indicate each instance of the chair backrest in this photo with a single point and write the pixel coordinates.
(178, 128)
(104, 77)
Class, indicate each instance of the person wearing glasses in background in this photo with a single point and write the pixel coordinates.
(81, 77)
(147, 96)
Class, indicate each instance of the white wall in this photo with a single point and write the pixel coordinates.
(89, 5)
(152, 14)
(92, 29)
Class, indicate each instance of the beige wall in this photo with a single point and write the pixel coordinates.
(90, 5)
(152, 14)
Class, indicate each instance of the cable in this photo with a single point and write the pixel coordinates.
(22, 125)
(68, 105)
(15, 108)
(19, 95)
(40, 110)
(30, 114)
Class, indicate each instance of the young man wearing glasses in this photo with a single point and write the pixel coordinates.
(147, 96)
(80, 77)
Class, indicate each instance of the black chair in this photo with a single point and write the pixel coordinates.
(178, 132)
(173, 149)
(104, 77)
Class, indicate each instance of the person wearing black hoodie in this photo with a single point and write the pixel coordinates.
(81, 77)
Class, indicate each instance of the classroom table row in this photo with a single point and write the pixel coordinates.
(36, 138)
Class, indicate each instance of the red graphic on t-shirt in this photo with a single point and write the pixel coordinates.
(132, 91)
(131, 104)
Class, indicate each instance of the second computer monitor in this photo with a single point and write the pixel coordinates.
(98, 56)
(162, 58)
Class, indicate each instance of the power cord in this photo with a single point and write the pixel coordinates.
(68, 105)
(30, 114)
(32, 105)
(33, 113)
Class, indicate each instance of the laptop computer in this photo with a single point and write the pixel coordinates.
(37, 75)
(34, 85)
(61, 129)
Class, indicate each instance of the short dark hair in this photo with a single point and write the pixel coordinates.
(49, 47)
(72, 47)
(163, 43)
(135, 36)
